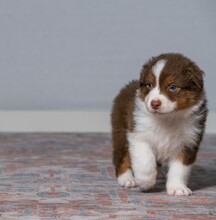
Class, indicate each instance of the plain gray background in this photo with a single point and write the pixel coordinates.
(77, 54)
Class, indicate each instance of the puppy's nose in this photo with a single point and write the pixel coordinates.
(155, 104)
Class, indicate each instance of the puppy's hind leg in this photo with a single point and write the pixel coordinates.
(125, 174)
(121, 159)
(127, 179)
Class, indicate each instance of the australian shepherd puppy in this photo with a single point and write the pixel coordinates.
(159, 119)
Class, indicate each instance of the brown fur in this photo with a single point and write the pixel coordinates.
(189, 154)
(122, 121)
(148, 77)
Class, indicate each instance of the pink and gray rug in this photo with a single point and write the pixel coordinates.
(70, 176)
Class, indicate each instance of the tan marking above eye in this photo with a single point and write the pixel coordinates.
(150, 78)
(166, 81)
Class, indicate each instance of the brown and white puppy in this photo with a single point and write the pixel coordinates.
(159, 119)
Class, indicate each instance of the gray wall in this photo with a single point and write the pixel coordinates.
(76, 54)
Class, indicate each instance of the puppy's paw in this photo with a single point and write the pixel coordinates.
(127, 180)
(178, 190)
(146, 182)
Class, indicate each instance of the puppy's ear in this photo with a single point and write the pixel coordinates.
(195, 75)
(143, 75)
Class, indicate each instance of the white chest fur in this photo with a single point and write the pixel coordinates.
(165, 134)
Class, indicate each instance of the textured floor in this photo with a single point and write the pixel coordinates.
(70, 176)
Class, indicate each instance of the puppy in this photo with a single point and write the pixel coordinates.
(159, 119)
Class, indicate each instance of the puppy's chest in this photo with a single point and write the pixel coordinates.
(165, 137)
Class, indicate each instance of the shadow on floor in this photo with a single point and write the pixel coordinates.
(202, 177)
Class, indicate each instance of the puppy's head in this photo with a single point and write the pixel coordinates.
(169, 83)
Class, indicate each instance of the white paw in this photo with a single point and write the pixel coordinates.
(178, 190)
(127, 180)
(146, 182)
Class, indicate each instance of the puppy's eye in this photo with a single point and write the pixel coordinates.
(172, 87)
(149, 85)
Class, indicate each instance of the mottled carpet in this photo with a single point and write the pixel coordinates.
(70, 176)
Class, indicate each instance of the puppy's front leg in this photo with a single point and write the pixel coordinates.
(143, 164)
(177, 178)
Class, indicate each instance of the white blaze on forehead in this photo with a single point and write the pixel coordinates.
(157, 68)
(155, 94)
